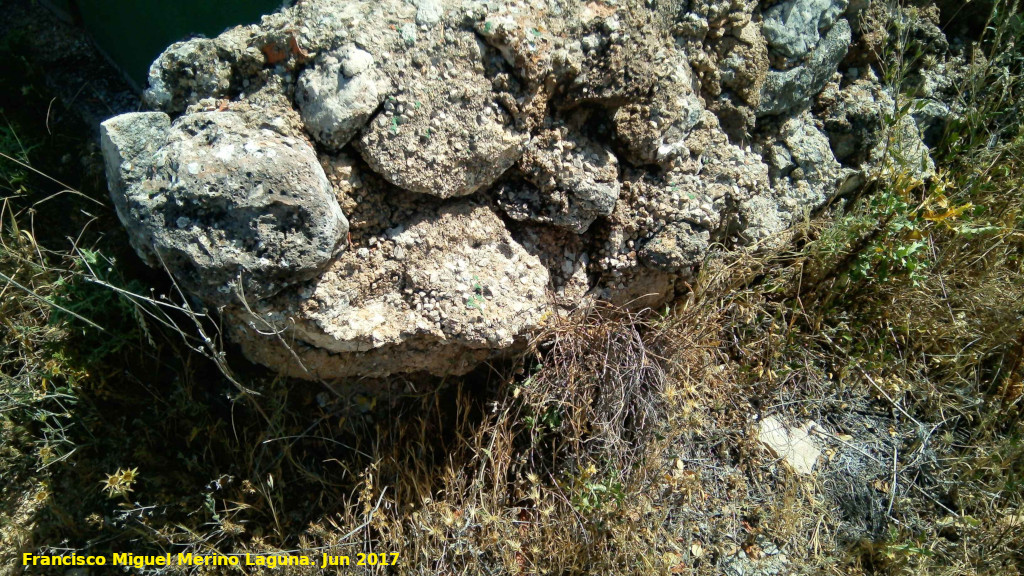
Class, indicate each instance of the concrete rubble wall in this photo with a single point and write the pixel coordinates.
(369, 188)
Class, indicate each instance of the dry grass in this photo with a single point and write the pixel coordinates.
(621, 442)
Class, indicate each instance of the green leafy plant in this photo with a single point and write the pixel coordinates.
(14, 172)
(593, 492)
(476, 299)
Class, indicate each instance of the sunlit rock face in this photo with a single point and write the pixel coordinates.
(371, 188)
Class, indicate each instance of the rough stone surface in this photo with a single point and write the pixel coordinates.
(201, 68)
(569, 182)
(792, 89)
(443, 133)
(404, 186)
(905, 151)
(728, 52)
(656, 131)
(793, 28)
(436, 296)
(804, 173)
(338, 95)
(232, 211)
(853, 118)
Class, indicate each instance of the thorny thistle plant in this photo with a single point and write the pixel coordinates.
(120, 483)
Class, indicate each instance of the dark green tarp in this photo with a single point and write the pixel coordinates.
(134, 32)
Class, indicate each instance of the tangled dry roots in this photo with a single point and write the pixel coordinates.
(601, 385)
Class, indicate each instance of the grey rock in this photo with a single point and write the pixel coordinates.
(408, 31)
(487, 288)
(931, 117)
(805, 175)
(492, 163)
(793, 89)
(811, 152)
(861, 132)
(678, 246)
(624, 60)
(231, 211)
(190, 71)
(428, 12)
(339, 94)
(853, 120)
(452, 138)
(572, 181)
(905, 151)
(793, 28)
(201, 71)
(655, 132)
